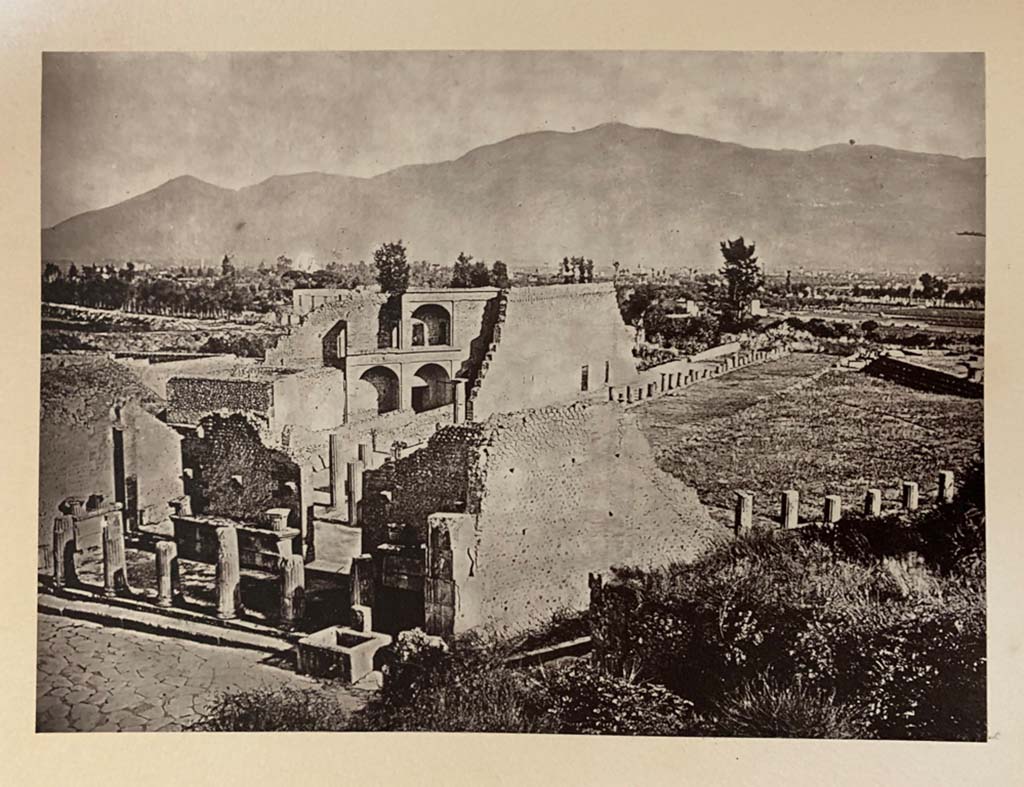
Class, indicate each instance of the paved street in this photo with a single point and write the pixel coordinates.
(92, 678)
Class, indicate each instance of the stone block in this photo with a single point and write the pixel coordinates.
(873, 503)
(789, 514)
(946, 486)
(339, 652)
(910, 495)
(833, 509)
(744, 517)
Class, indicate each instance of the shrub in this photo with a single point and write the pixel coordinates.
(273, 710)
(765, 708)
(587, 700)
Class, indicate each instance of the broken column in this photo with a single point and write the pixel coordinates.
(115, 566)
(229, 589)
(946, 488)
(833, 509)
(293, 589)
(167, 579)
(64, 548)
(278, 518)
(910, 495)
(790, 509)
(873, 503)
(744, 512)
(354, 481)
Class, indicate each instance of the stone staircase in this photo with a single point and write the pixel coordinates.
(492, 348)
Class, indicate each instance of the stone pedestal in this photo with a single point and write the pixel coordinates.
(873, 503)
(167, 577)
(789, 514)
(229, 589)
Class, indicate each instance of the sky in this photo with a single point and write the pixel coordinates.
(118, 124)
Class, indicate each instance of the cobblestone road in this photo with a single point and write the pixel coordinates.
(91, 678)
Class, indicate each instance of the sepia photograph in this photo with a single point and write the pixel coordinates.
(626, 393)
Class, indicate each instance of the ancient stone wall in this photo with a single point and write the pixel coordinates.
(235, 475)
(192, 398)
(548, 496)
(314, 341)
(923, 378)
(549, 334)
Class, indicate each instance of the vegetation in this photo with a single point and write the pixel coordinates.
(279, 709)
(392, 267)
(743, 279)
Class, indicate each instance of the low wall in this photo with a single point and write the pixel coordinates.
(258, 548)
(923, 378)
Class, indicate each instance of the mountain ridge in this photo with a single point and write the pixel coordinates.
(613, 190)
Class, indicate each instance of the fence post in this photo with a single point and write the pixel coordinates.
(167, 578)
(946, 488)
(790, 509)
(744, 519)
(873, 503)
(229, 590)
(833, 509)
(910, 495)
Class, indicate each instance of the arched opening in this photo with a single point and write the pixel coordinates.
(378, 387)
(431, 325)
(431, 388)
(335, 344)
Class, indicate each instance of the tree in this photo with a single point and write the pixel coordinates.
(226, 268)
(462, 273)
(932, 287)
(499, 275)
(392, 267)
(743, 278)
(479, 275)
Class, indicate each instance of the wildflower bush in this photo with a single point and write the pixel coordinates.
(268, 709)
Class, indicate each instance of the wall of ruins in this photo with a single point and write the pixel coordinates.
(314, 340)
(549, 495)
(234, 474)
(190, 399)
(156, 370)
(314, 398)
(548, 335)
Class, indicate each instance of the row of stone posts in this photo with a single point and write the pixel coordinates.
(789, 504)
(669, 381)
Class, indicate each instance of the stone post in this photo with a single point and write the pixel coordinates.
(679, 379)
(663, 389)
(229, 589)
(946, 488)
(611, 393)
(167, 578)
(361, 618)
(833, 509)
(334, 466)
(873, 503)
(354, 481)
(64, 548)
(115, 567)
(629, 394)
(361, 581)
(790, 513)
(278, 518)
(744, 512)
(364, 454)
(910, 495)
(458, 400)
(293, 589)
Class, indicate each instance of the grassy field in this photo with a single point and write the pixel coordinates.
(795, 424)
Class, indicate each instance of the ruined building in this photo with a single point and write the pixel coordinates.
(454, 457)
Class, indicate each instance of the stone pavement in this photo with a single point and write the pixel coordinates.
(93, 678)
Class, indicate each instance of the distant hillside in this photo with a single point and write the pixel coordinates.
(642, 196)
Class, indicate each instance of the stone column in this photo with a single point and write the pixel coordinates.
(167, 578)
(946, 488)
(334, 465)
(293, 589)
(910, 495)
(833, 509)
(873, 503)
(278, 518)
(229, 589)
(115, 567)
(354, 481)
(790, 509)
(64, 548)
(744, 512)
